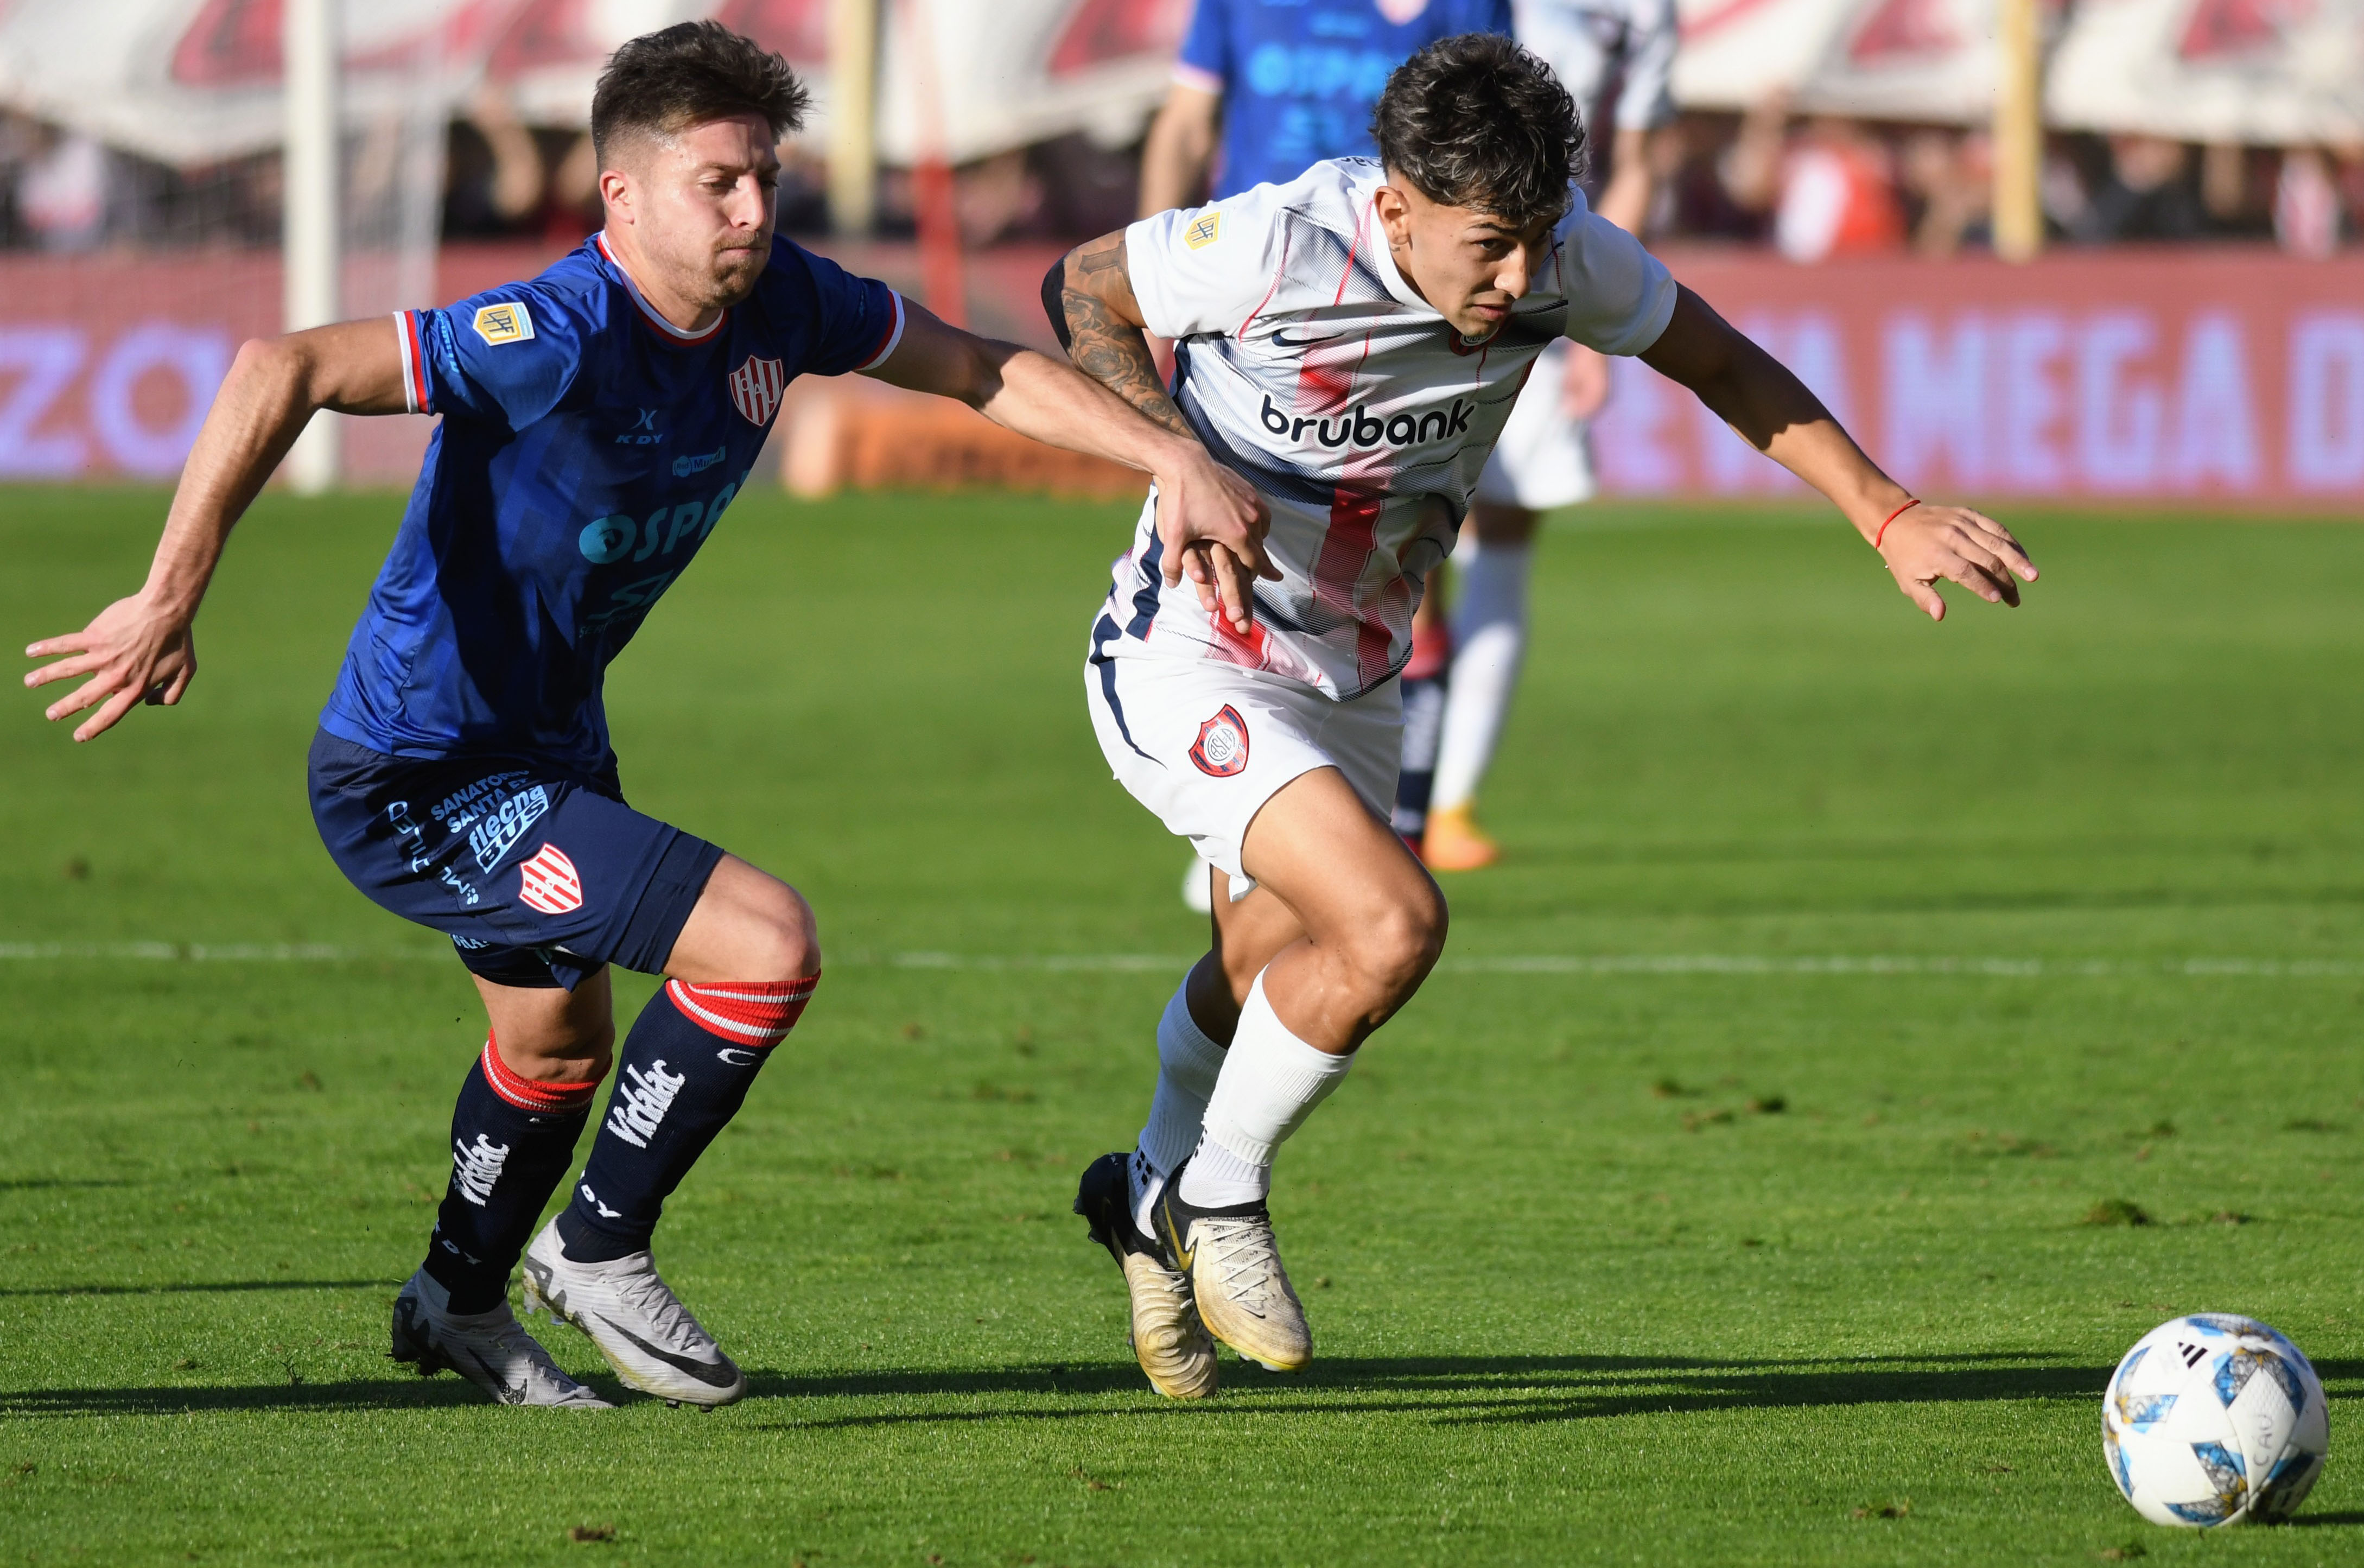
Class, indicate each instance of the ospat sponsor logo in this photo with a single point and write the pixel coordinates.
(504, 825)
(606, 540)
(1360, 427)
(1221, 749)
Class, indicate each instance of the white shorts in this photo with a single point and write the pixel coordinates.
(1205, 744)
(1544, 458)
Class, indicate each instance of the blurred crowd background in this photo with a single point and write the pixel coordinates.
(1755, 157)
(1824, 171)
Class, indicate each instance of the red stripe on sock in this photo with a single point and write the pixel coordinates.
(529, 1094)
(745, 1013)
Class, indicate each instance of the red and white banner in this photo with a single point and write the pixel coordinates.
(2221, 376)
(2227, 377)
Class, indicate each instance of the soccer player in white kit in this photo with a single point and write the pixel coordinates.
(1351, 343)
(1616, 58)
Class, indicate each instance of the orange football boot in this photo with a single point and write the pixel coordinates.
(1455, 841)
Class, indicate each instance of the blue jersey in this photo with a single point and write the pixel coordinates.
(1299, 78)
(586, 450)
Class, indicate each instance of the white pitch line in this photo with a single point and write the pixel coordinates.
(1742, 964)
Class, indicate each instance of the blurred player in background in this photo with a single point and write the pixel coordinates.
(1615, 57)
(1352, 341)
(596, 423)
(1264, 89)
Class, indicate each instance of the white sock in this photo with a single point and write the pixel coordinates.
(1489, 640)
(1187, 1065)
(1270, 1082)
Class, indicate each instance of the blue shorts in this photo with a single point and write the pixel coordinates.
(538, 873)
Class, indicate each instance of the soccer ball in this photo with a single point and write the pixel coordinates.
(2212, 1419)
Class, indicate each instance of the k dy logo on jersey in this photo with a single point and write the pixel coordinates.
(549, 881)
(1222, 748)
(756, 386)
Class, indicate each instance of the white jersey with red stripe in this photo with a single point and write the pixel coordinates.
(1311, 367)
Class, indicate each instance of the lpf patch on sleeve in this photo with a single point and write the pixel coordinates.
(1205, 231)
(506, 322)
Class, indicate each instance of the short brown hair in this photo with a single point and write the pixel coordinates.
(662, 82)
(1476, 121)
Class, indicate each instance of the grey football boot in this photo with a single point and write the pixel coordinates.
(634, 1319)
(491, 1350)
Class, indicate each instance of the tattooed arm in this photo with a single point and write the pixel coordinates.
(1089, 297)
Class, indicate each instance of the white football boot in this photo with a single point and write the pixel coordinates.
(1164, 1328)
(636, 1321)
(1232, 1262)
(491, 1350)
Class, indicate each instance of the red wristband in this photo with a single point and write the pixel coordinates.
(1900, 511)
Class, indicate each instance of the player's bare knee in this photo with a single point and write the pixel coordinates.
(783, 940)
(557, 1047)
(1393, 950)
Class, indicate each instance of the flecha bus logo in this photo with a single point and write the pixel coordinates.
(548, 881)
(1222, 746)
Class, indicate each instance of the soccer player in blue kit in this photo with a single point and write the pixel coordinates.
(595, 424)
(1282, 85)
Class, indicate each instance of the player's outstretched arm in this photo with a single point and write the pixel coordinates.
(140, 648)
(1201, 505)
(1923, 543)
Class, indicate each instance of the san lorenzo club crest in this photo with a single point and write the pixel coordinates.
(1222, 748)
(756, 387)
(550, 882)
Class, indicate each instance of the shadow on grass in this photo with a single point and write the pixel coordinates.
(1451, 1389)
(202, 1288)
(1462, 1390)
(48, 1184)
(391, 1394)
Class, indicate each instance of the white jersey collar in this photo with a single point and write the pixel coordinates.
(1372, 238)
(649, 311)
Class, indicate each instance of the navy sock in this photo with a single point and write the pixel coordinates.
(511, 1141)
(1423, 729)
(684, 1073)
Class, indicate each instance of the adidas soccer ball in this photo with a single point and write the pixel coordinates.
(2212, 1419)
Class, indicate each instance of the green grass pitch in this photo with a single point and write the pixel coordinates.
(1724, 1200)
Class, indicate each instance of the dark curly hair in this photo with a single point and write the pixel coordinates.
(1476, 121)
(662, 82)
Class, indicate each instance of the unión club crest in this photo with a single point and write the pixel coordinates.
(550, 882)
(1222, 748)
(756, 386)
